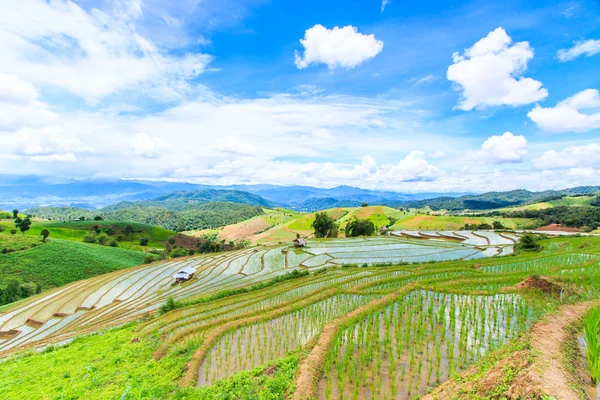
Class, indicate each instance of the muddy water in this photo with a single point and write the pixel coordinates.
(592, 390)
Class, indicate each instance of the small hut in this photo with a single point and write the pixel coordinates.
(184, 274)
(300, 242)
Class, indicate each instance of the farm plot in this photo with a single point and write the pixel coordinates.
(256, 344)
(418, 342)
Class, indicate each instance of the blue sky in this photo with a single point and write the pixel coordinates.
(413, 96)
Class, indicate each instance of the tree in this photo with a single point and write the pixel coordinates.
(13, 231)
(128, 231)
(528, 243)
(364, 204)
(45, 233)
(497, 225)
(98, 218)
(23, 224)
(360, 227)
(392, 221)
(144, 240)
(171, 239)
(15, 214)
(324, 226)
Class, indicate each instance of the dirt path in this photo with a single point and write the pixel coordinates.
(540, 370)
(547, 339)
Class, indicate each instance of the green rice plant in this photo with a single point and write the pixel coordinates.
(591, 329)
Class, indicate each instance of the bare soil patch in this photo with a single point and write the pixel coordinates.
(244, 229)
(541, 283)
(558, 228)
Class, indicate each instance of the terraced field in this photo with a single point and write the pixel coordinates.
(353, 327)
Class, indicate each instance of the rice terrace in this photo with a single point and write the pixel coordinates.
(299, 200)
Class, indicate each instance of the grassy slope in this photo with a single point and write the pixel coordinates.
(434, 222)
(59, 262)
(569, 201)
(75, 231)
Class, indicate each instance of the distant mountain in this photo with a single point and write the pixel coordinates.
(185, 200)
(24, 192)
(493, 200)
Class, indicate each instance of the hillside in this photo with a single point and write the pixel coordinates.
(260, 328)
(495, 200)
(59, 262)
(197, 216)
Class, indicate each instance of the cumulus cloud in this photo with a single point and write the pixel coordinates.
(580, 48)
(19, 106)
(490, 73)
(567, 116)
(506, 148)
(570, 157)
(338, 47)
(147, 146)
(90, 55)
(45, 144)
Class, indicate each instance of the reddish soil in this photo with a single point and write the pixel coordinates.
(558, 228)
(243, 230)
(541, 283)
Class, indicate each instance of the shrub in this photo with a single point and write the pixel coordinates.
(144, 241)
(113, 243)
(103, 239)
(1, 228)
(171, 239)
(13, 231)
(528, 243)
(149, 259)
(168, 305)
(90, 238)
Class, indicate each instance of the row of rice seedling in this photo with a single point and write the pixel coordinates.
(542, 265)
(418, 342)
(254, 345)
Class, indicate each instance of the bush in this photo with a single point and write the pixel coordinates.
(528, 243)
(103, 239)
(90, 238)
(144, 241)
(168, 305)
(149, 259)
(13, 231)
(113, 243)
(171, 240)
(1, 228)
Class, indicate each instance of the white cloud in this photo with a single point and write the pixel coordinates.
(90, 55)
(425, 79)
(584, 47)
(338, 47)
(438, 154)
(19, 106)
(384, 3)
(570, 157)
(490, 73)
(506, 148)
(147, 146)
(45, 144)
(566, 116)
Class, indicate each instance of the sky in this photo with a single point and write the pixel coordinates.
(379, 94)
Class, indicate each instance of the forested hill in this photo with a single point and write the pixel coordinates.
(198, 216)
(185, 200)
(493, 200)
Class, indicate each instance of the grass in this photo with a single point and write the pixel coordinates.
(59, 262)
(445, 223)
(76, 230)
(18, 241)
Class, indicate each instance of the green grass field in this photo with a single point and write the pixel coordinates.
(440, 223)
(76, 230)
(59, 262)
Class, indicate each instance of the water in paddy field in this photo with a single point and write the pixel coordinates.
(257, 344)
(418, 343)
(592, 390)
